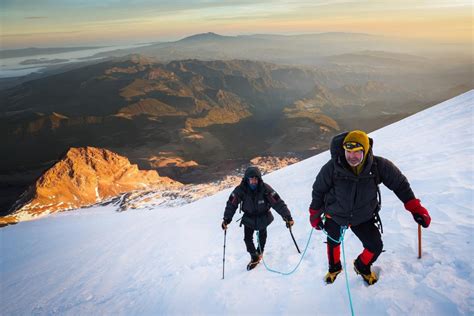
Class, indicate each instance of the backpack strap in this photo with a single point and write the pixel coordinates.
(240, 211)
(375, 171)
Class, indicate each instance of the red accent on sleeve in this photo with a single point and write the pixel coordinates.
(235, 200)
(271, 197)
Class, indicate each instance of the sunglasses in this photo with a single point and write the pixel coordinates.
(353, 146)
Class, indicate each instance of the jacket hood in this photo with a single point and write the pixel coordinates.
(253, 172)
(249, 173)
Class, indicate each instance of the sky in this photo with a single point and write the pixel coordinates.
(52, 23)
(169, 261)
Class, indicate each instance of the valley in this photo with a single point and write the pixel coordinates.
(197, 121)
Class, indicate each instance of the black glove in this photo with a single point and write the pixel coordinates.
(289, 222)
(225, 222)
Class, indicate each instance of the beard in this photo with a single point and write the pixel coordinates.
(354, 162)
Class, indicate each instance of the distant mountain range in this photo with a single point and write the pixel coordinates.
(141, 107)
(194, 120)
(356, 51)
(307, 49)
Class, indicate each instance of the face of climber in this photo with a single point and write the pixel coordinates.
(253, 181)
(354, 158)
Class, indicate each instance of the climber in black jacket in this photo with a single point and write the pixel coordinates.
(257, 198)
(345, 192)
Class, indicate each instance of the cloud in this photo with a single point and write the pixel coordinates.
(32, 34)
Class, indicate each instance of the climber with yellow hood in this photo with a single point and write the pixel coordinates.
(346, 194)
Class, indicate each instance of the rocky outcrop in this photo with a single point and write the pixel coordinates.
(231, 110)
(160, 162)
(192, 192)
(310, 110)
(267, 164)
(150, 107)
(85, 176)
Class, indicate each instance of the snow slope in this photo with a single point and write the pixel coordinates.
(169, 260)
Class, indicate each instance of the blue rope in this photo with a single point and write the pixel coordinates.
(347, 279)
(301, 259)
(341, 240)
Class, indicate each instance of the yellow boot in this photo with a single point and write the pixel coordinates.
(330, 277)
(334, 270)
(364, 271)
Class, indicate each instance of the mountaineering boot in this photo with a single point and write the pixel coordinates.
(364, 271)
(334, 270)
(254, 260)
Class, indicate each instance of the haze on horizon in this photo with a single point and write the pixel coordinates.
(55, 23)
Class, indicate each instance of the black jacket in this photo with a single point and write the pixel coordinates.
(352, 199)
(255, 205)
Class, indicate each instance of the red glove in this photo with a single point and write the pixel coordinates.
(315, 219)
(420, 214)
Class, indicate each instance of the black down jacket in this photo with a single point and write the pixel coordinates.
(351, 199)
(256, 204)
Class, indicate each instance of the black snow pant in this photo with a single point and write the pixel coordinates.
(248, 238)
(367, 233)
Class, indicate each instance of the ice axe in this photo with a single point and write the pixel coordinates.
(293, 237)
(419, 241)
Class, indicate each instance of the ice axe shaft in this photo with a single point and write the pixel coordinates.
(419, 241)
(293, 237)
(223, 257)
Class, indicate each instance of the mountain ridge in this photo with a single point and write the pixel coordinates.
(194, 110)
(82, 177)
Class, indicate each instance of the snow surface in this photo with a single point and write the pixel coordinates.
(169, 260)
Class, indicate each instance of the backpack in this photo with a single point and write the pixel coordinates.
(337, 151)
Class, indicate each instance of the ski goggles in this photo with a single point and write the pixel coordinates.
(352, 146)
